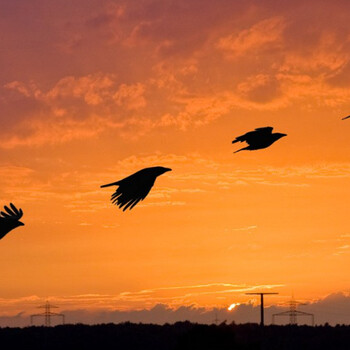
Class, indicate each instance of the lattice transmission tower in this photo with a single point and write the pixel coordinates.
(293, 313)
(47, 314)
(217, 320)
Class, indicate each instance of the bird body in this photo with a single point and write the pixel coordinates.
(258, 139)
(135, 187)
(9, 219)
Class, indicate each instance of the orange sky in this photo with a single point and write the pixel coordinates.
(93, 91)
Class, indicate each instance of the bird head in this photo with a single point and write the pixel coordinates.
(16, 223)
(278, 135)
(12, 224)
(161, 170)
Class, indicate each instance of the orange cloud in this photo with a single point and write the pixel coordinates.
(130, 96)
(264, 34)
(92, 88)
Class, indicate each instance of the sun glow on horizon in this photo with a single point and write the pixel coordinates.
(232, 306)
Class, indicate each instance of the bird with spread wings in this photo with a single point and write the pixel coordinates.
(9, 219)
(258, 139)
(135, 187)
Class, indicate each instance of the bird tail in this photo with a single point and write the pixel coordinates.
(111, 184)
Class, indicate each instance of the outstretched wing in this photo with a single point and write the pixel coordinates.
(251, 135)
(131, 191)
(265, 130)
(9, 219)
(11, 214)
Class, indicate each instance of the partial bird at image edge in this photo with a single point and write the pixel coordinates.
(9, 219)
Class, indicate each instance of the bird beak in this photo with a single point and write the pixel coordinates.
(20, 223)
(167, 169)
(284, 135)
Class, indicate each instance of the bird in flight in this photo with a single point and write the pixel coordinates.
(258, 139)
(346, 117)
(9, 219)
(135, 187)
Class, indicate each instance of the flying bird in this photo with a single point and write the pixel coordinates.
(9, 219)
(258, 139)
(346, 117)
(135, 187)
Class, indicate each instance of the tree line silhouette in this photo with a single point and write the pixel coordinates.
(179, 336)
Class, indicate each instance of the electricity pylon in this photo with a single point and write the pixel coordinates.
(261, 305)
(47, 314)
(293, 313)
(216, 320)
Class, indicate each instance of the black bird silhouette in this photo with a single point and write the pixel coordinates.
(346, 117)
(258, 139)
(135, 187)
(9, 219)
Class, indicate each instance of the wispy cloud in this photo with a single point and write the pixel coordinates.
(247, 228)
(174, 296)
(264, 34)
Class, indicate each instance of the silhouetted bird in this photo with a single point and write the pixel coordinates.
(346, 117)
(135, 187)
(9, 220)
(258, 139)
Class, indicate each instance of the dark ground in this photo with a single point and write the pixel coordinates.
(181, 335)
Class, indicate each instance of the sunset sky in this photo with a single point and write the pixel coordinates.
(92, 91)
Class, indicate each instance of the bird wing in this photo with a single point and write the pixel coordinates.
(251, 135)
(9, 219)
(131, 190)
(265, 130)
(244, 137)
(12, 214)
(131, 178)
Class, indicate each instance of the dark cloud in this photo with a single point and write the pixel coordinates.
(100, 20)
(334, 309)
(16, 108)
(341, 78)
(180, 54)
